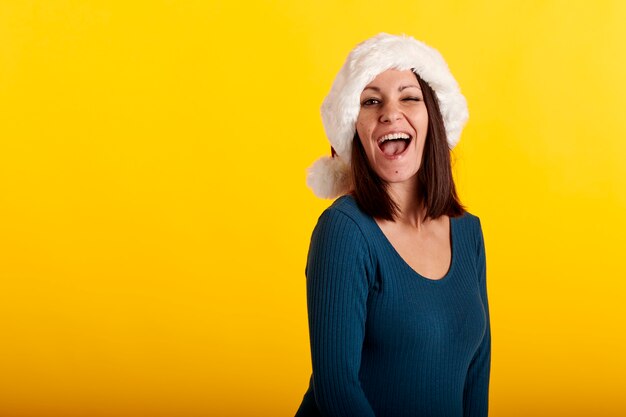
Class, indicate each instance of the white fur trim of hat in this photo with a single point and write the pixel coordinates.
(330, 177)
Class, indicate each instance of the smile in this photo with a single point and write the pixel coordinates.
(394, 145)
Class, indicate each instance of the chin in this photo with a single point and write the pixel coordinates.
(393, 178)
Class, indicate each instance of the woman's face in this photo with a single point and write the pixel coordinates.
(392, 125)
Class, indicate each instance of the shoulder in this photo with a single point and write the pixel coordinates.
(468, 220)
(345, 224)
(346, 211)
(339, 234)
(470, 227)
(347, 205)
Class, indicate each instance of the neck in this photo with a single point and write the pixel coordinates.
(406, 197)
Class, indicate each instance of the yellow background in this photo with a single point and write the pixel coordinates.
(154, 217)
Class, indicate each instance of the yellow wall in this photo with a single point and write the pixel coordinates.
(154, 219)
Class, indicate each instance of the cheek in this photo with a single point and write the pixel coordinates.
(367, 145)
(425, 121)
(360, 129)
(364, 124)
(418, 117)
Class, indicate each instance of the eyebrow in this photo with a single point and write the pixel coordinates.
(402, 87)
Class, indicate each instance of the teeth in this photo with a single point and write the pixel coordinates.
(394, 136)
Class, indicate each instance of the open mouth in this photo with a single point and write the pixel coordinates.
(394, 143)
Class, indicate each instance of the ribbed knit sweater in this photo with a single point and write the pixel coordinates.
(385, 340)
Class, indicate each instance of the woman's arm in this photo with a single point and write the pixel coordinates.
(476, 393)
(337, 290)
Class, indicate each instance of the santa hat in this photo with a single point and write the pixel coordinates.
(331, 176)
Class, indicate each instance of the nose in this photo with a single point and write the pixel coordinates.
(389, 112)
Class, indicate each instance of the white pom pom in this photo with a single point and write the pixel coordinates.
(329, 177)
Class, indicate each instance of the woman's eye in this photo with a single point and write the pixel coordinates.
(413, 98)
(370, 101)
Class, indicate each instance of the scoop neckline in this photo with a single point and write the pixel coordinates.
(445, 278)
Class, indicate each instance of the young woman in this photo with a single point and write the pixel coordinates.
(396, 274)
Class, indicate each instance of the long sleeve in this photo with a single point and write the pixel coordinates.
(476, 392)
(337, 289)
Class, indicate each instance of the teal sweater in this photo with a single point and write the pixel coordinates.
(386, 341)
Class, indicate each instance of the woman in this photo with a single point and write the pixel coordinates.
(396, 281)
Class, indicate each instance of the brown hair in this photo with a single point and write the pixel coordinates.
(436, 187)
